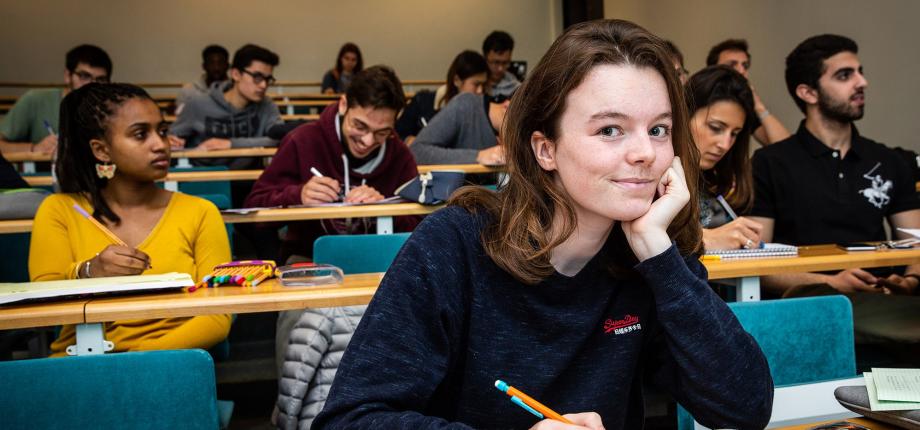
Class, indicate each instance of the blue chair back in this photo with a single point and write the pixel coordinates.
(154, 389)
(804, 339)
(14, 257)
(202, 189)
(360, 253)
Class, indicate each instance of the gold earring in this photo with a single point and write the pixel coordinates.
(105, 170)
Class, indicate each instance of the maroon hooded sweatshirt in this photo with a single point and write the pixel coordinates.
(317, 145)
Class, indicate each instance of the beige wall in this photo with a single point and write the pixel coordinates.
(885, 30)
(161, 41)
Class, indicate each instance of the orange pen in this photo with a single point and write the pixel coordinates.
(528, 403)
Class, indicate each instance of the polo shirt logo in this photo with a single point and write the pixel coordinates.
(629, 323)
(877, 192)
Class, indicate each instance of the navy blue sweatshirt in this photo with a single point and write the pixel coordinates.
(447, 322)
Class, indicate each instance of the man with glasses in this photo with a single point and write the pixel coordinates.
(352, 155)
(497, 49)
(234, 114)
(32, 123)
(352, 137)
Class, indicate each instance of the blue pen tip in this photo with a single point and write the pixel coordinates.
(501, 385)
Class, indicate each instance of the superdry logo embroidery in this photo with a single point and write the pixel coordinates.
(629, 323)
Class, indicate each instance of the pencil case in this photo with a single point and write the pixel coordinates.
(310, 275)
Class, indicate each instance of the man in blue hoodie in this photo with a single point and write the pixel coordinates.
(236, 114)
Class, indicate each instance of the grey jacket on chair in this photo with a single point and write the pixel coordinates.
(312, 356)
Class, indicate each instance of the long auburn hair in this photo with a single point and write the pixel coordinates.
(731, 176)
(517, 234)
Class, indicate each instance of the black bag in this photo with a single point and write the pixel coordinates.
(431, 188)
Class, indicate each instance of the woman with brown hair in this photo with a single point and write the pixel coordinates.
(576, 282)
(721, 119)
(347, 65)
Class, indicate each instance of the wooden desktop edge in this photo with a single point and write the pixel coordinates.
(811, 259)
(42, 314)
(271, 296)
(304, 214)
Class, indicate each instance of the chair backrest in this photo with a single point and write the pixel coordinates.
(203, 189)
(360, 253)
(14, 257)
(804, 339)
(154, 389)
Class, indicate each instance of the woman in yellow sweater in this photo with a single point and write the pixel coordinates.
(112, 149)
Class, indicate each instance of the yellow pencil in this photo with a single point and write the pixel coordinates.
(711, 258)
(99, 225)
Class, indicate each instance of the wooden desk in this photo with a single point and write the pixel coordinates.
(294, 117)
(466, 168)
(173, 178)
(89, 314)
(383, 212)
(42, 314)
(15, 226)
(866, 422)
(745, 274)
(267, 297)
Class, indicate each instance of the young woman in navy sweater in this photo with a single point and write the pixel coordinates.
(575, 283)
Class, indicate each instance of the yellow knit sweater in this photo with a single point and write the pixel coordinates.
(189, 238)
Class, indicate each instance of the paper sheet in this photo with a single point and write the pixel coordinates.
(882, 405)
(902, 385)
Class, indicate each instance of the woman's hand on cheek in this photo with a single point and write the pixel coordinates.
(648, 234)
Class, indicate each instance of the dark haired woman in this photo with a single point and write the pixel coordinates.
(722, 109)
(466, 74)
(576, 282)
(349, 62)
(112, 149)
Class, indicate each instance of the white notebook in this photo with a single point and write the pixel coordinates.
(769, 250)
(15, 292)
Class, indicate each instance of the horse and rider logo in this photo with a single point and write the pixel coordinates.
(877, 192)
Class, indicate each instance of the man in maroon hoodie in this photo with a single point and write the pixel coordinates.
(309, 169)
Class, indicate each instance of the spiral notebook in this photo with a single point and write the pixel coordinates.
(770, 250)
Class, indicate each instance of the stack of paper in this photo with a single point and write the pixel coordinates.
(893, 389)
(14, 292)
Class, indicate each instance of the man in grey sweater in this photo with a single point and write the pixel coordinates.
(236, 114)
(463, 132)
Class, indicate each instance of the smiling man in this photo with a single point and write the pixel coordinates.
(309, 167)
(234, 114)
(829, 184)
(32, 122)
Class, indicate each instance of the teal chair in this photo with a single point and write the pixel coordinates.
(204, 188)
(359, 253)
(136, 390)
(14, 257)
(805, 340)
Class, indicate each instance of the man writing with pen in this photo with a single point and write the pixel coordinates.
(351, 144)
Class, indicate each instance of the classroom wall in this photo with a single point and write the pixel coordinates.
(161, 41)
(886, 31)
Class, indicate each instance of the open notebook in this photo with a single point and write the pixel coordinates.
(15, 292)
(769, 250)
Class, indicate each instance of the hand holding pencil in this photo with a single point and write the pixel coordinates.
(551, 420)
(115, 260)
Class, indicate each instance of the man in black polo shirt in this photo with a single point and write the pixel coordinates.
(828, 184)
